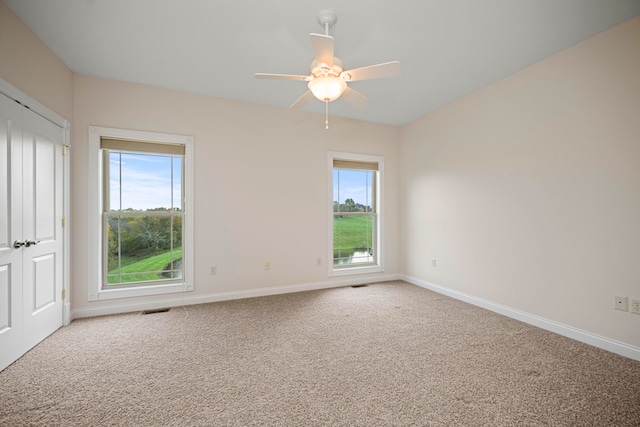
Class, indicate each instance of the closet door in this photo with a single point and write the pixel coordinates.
(42, 212)
(10, 231)
(31, 235)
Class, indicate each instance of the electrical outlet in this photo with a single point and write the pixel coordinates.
(635, 306)
(213, 270)
(267, 265)
(319, 262)
(621, 303)
(433, 262)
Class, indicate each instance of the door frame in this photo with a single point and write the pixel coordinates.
(22, 98)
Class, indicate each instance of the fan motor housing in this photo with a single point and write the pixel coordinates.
(322, 70)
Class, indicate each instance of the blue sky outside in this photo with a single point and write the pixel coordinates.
(144, 181)
(352, 184)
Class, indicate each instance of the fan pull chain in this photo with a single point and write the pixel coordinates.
(326, 114)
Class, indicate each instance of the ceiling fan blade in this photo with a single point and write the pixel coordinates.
(282, 77)
(302, 101)
(354, 98)
(377, 71)
(322, 49)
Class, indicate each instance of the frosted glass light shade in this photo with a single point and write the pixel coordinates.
(327, 88)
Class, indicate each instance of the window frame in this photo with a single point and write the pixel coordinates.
(96, 199)
(378, 266)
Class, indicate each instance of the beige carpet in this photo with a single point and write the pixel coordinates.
(386, 354)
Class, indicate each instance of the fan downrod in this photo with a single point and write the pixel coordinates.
(327, 18)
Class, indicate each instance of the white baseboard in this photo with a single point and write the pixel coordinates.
(187, 299)
(604, 343)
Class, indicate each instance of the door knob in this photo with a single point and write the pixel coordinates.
(31, 243)
(18, 245)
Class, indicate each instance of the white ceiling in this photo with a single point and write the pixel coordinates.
(447, 48)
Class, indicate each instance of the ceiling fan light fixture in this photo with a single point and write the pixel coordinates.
(328, 79)
(327, 88)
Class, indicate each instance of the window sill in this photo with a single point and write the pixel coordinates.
(348, 271)
(140, 291)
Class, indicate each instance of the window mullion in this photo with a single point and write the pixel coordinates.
(106, 171)
(119, 250)
(339, 221)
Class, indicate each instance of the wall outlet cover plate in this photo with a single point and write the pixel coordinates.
(621, 303)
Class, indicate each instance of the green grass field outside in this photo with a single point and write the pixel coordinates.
(351, 234)
(143, 270)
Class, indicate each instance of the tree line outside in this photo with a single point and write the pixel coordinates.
(350, 206)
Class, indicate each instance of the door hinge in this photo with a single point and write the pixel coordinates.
(64, 293)
(64, 221)
(64, 150)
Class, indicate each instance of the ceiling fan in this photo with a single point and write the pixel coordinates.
(328, 79)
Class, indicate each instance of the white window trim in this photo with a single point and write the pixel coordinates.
(379, 267)
(96, 293)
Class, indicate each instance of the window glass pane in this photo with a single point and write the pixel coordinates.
(143, 248)
(353, 239)
(176, 236)
(144, 181)
(354, 219)
(144, 220)
(352, 189)
(176, 193)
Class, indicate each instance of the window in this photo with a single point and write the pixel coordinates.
(355, 213)
(142, 245)
(142, 212)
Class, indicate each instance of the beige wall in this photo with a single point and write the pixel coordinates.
(29, 65)
(260, 182)
(528, 192)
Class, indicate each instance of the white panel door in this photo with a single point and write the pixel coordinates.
(31, 237)
(42, 212)
(10, 231)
